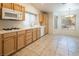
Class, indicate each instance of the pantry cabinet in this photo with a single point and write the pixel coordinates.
(21, 39)
(7, 5)
(43, 19)
(9, 44)
(0, 45)
(34, 34)
(29, 37)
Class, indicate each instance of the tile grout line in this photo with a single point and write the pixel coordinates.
(68, 47)
(56, 46)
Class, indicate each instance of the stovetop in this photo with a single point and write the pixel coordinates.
(11, 28)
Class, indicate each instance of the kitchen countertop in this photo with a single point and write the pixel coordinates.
(8, 31)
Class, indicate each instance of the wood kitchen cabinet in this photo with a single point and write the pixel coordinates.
(38, 33)
(0, 45)
(20, 8)
(43, 19)
(9, 44)
(23, 11)
(0, 5)
(29, 37)
(16, 7)
(34, 34)
(7, 5)
(21, 39)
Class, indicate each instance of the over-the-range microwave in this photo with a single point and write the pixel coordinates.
(11, 14)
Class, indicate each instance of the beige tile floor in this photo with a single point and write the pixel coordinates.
(52, 45)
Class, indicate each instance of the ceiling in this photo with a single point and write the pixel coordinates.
(56, 7)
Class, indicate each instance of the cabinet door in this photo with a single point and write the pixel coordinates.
(9, 45)
(34, 34)
(38, 33)
(21, 41)
(0, 5)
(17, 7)
(7, 5)
(0, 45)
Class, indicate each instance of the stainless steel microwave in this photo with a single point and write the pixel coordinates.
(11, 14)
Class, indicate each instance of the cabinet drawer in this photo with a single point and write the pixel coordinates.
(9, 34)
(29, 34)
(21, 32)
(29, 31)
(34, 37)
(28, 41)
(29, 37)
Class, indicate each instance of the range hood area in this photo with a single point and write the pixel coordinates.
(10, 14)
(12, 11)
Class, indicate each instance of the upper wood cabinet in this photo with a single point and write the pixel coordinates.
(0, 5)
(41, 18)
(9, 43)
(21, 39)
(20, 8)
(7, 5)
(13, 6)
(23, 10)
(17, 7)
(0, 45)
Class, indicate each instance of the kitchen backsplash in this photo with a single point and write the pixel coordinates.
(10, 24)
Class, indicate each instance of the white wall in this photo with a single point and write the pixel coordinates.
(51, 23)
(8, 23)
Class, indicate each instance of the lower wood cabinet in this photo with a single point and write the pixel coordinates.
(0, 45)
(13, 41)
(21, 39)
(9, 44)
(29, 37)
(38, 33)
(34, 34)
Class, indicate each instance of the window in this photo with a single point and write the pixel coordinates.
(56, 22)
(69, 22)
(30, 19)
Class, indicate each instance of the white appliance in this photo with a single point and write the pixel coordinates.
(11, 14)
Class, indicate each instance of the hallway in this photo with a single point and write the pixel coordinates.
(52, 45)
